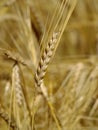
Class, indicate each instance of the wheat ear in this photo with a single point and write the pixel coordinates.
(46, 57)
(50, 49)
(20, 94)
(16, 83)
(12, 56)
(43, 64)
(4, 115)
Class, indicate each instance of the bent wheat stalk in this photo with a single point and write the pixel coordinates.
(13, 56)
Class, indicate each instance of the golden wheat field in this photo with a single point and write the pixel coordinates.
(48, 64)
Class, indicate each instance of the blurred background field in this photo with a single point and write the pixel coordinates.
(72, 75)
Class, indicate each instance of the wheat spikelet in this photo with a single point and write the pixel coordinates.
(4, 115)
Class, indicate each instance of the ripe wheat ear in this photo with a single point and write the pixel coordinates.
(47, 55)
